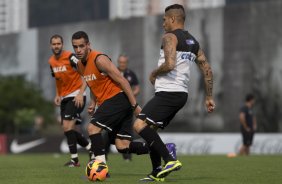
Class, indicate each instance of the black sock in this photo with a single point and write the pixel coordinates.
(155, 143)
(139, 148)
(75, 159)
(156, 159)
(71, 139)
(127, 156)
(97, 144)
(81, 139)
(107, 148)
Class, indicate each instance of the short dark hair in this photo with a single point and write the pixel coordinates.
(79, 35)
(174, 6)
(249, 97)
(177, 7)
(56, 36)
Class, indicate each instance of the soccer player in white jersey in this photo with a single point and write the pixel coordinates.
(178, 51)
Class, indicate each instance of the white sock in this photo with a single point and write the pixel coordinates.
(92, 156)
(101, 157)
(74, 155)
(88, 146)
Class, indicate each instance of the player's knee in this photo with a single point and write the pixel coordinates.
(92, 129)
(67, 125)
(139, 125)
(122, 144)
(66, 128)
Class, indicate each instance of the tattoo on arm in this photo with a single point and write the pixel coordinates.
(207, 71)
(209, 87)
(169, 47)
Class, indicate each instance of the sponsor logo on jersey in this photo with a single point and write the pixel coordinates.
(74, 59)
(90, 77)
(188, 56)
(190, 42)
(59, 69)
(129, 79)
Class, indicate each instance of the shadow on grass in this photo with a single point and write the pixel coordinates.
(189, 179)
(129, 174)
(171, 178)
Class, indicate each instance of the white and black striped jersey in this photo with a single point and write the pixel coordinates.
(186, 52)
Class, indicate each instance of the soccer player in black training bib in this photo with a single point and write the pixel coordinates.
(248, 124)
(178, 52)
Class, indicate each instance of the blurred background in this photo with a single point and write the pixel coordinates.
(241, 38)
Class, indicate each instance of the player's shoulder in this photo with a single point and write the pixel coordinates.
(185, 34)
(101, 57)
(66, 53)
(169, 38)
(52, 59)
(94, 54)
(169, 35)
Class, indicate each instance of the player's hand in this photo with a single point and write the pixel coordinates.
(210, 104)
(78, 100)
(91, 108)
(137, 111)
(57, 100)
(248, 129)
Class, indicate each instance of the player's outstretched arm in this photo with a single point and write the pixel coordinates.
(105, 65)
(208, 76)
(169, 47)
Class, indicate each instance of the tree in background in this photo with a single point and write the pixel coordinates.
(21, 101)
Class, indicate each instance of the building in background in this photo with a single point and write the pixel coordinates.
(19, 15)
(240, 67)
(13, 16)
(121, 9)
(56, 12)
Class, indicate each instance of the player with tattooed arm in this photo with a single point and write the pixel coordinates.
(178, 52)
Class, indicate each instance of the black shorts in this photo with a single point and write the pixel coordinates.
(160, 110)
(69, 111)
(247, 137)
(115, 116)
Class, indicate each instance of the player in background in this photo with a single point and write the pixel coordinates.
(134, 84)
(248, 124)
(128, 74)
(178, 51)
(132, 79)
(113, 96)
(70, 96)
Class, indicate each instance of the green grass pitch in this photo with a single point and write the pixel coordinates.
(48, 169)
